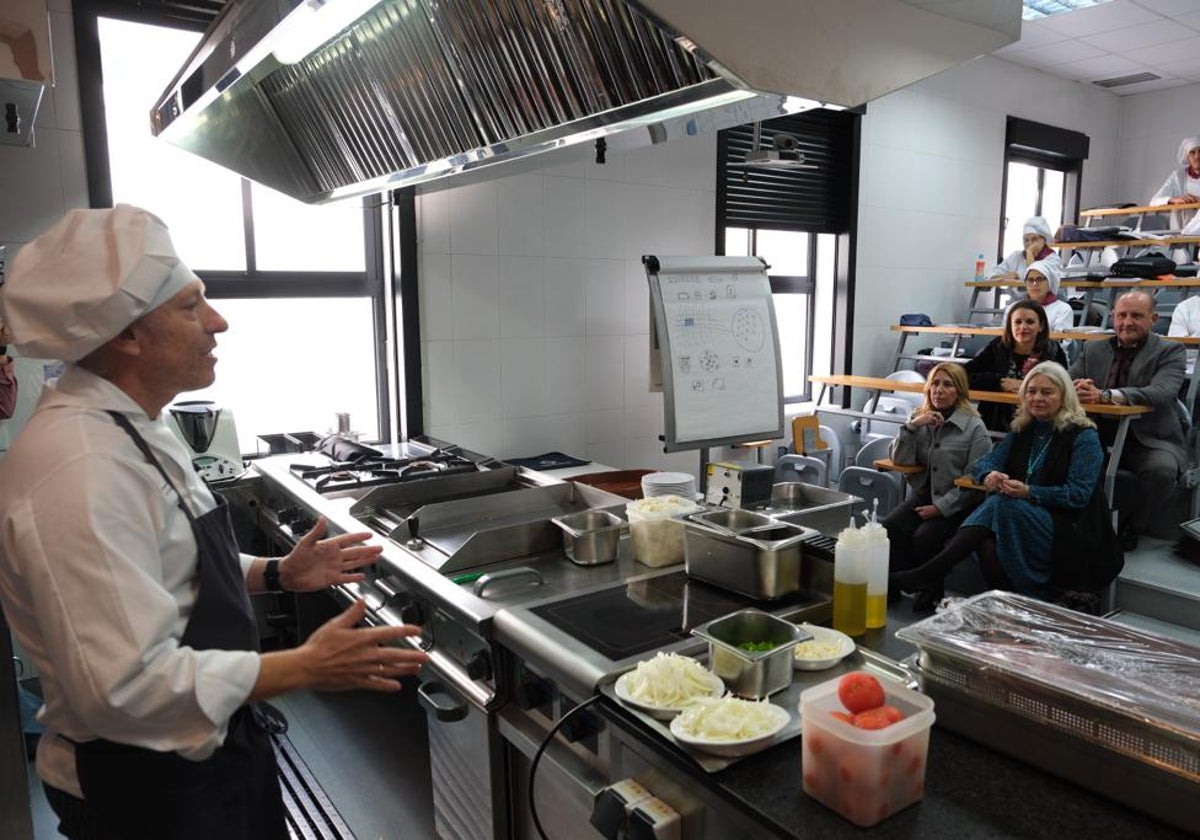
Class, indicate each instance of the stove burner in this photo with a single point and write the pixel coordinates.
(375, 471)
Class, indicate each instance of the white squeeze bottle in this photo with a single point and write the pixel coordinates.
(878, 550)
(980, 267)
(850, 582)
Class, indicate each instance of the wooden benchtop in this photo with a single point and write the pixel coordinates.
(891, 466)
(1127, 243)
(878, 383)
(969, 483)
(1134, 211)
(1065, 335)
(1108, 283)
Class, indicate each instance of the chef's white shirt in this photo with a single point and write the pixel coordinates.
(97, 578)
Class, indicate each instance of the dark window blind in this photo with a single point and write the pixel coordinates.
(806, 200)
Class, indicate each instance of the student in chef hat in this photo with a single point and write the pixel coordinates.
(87, 278)
(119, 568)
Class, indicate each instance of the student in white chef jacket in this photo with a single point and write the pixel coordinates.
(1183, 184)
(1036, 237)
(1185, 321)
(119, 573)
(1042, 280)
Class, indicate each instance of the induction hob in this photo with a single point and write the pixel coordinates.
(650, 613)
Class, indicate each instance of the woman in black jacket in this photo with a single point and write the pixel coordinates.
(1003, 363)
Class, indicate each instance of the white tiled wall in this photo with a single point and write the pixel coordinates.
(534, 303)
(39, 184)
(929, 197)
(1152, 127)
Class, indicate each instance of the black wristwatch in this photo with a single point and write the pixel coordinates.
(1106, 396)
(271, 577)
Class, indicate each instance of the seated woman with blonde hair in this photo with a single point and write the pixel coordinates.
(945, 436)
(1044, 528)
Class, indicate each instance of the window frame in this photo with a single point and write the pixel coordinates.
(1045, 147)
(373, 282)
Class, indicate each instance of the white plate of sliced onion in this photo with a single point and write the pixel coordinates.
(662, 686)
(825, 649)
(729, 726)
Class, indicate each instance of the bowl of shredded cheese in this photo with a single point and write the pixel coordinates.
(729, 726)
(826, 648)
(661, 687)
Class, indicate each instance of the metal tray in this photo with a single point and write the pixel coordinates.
(861, 660)
(1119, 759)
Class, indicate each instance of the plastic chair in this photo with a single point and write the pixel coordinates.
(835, 451)
(871, 484)
(804, 468)
(864, 480)
(891, 405)
(872, 451)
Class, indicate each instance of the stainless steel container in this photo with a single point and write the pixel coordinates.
(591, 537)
(748, 673)
(734, 520)
(764, 562)
(829, 511)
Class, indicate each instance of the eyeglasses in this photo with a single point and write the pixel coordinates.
(1031, 280)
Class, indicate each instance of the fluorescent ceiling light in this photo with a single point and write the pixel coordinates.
(1036, 9)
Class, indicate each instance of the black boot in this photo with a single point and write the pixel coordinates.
(928, 599)
(932, 574)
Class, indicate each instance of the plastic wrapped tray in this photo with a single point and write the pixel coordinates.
(1110, 707)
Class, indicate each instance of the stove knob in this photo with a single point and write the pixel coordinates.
(479, 665)
(412, 613)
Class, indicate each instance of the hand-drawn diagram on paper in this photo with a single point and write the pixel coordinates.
(722, 350)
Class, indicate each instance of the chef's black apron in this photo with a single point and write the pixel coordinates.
(131, 792)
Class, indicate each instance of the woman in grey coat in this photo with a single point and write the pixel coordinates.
(945, 436)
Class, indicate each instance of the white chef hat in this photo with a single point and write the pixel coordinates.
(90, 276)
(1185, 146)
(1039, 226)
(1047, 269)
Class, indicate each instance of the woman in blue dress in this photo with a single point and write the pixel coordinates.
(1044, 527)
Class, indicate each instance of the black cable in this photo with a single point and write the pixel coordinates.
(537, 756)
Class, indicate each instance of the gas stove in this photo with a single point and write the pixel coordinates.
(374, 471)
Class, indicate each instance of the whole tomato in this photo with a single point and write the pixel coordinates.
(860, 691)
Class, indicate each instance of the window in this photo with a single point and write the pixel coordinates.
(1043, 165)
(791, 218)
(264, 257)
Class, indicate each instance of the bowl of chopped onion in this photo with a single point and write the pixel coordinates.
(826, 648)
(729, 726)
(661, 687)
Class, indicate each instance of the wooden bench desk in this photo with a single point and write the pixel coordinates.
(904, 471)
(1123, 414)
(966, 482)
(1101, 212)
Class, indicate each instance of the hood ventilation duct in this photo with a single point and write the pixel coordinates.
(324, 100)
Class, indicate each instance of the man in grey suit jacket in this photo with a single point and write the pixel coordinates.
(1138, 367)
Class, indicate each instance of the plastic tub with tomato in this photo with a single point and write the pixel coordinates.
(866, 775)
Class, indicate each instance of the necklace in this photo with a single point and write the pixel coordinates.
(1035, 459)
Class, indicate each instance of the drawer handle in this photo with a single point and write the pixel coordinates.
(440, 702)
(506, 574)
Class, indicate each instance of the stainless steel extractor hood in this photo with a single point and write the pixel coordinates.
(324, 99)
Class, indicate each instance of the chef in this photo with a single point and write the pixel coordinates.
(119, 573)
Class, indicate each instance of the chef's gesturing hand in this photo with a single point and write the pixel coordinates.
(316, 563)
(339, 656)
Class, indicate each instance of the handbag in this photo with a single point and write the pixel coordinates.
(1095, 557)
(1149, 265)
(8, 388)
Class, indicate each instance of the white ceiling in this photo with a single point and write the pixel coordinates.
(1116, 39)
